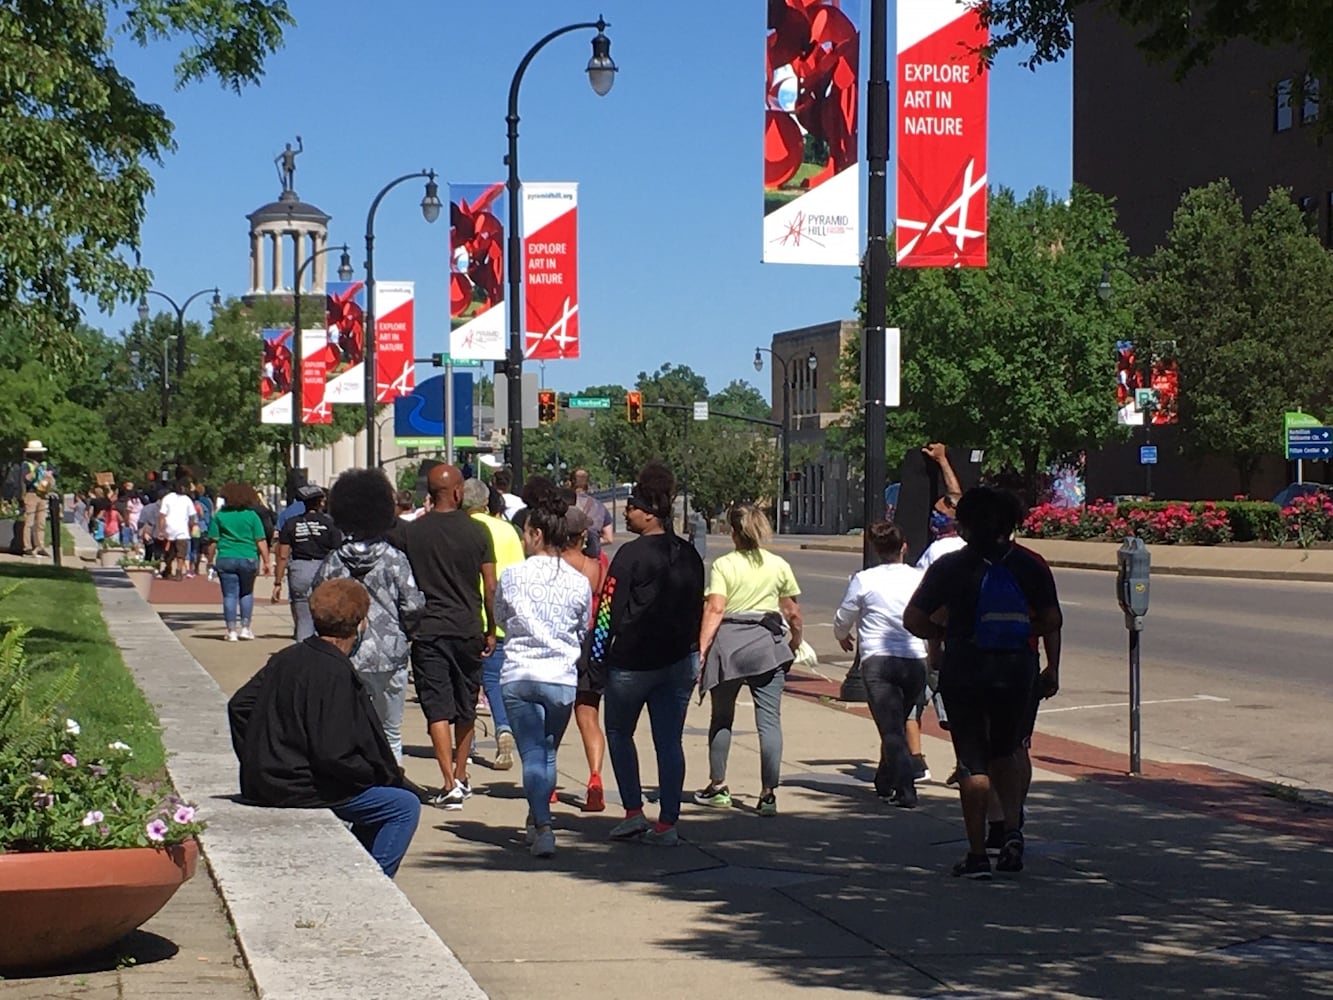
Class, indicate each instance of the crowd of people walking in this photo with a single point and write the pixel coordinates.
(484, 598)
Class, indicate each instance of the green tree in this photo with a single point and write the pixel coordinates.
(1017, 357)
(743, 399)
(1250, 308)
(1183, 35)
(76, 142)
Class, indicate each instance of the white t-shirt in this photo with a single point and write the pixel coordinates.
(940, 547)
(512, 505)
(874, 605)
(176, 510)
(543, 604)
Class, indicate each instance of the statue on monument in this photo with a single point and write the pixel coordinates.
(286, 164)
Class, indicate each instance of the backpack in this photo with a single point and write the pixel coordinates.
(1002, 618)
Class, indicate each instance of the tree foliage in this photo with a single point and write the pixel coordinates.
(1249, 304)
(76, 142)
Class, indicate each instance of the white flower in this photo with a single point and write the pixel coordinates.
(93, 818)
(72, 727)
(118, 745)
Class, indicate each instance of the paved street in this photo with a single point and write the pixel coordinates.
(1262, 647)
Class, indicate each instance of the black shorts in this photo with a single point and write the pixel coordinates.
(591, 684)
(990, 705)
(1030, 723)
(447, 675)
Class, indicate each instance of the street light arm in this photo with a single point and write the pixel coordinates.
(179, 310)
(203, 291)
(306, 262)
(514, 84)
(374, 205)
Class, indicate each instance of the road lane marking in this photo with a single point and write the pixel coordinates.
(1125, 704)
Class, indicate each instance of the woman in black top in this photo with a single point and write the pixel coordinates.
(646, 638)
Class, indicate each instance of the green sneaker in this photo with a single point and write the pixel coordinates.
(716, 796)
(631, 828)
(663, 838)
(768, 805)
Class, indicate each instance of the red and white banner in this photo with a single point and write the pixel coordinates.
(811, 95)
(940, 109)
(394, 327)
(551, 269)
(344, 347)
(315, 359)
(275, 383)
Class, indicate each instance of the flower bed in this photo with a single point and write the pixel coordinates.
(1207, 522)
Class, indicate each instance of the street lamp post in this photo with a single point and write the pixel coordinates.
(601, 75)
(430, 210)
(876, 274)
(180, 333)
(298, 345)
(811, 362)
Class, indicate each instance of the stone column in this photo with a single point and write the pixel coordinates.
(321, 241)
(277, 262)
(256, 263)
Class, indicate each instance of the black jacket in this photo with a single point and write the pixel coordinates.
(305, 732)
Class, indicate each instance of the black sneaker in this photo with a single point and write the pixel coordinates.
(995, 835)
(954, 778)
(920, 772)
(974, 866)
(1011, 854)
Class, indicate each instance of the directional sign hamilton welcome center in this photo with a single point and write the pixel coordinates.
(590, 402)
(1310, 442)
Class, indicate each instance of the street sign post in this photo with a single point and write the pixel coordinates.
(1305, 438)
(589, 402)
(1148, 454)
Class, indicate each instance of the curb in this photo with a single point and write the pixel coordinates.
(315, 918)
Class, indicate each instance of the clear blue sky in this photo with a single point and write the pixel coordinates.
(670, 164)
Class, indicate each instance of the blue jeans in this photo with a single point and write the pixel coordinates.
(540, 713)
(490, 683)
(238, 589)
(383, 819)
(666, 691)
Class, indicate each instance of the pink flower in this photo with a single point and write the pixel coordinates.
(104, 830)
(93, 818)
(156, 830)
(69, 759)
(184, 814)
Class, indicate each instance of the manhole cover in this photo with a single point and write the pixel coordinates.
(1284, 951)
(750, 878)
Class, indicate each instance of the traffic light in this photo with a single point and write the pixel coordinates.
(548, 407)
(634, 407)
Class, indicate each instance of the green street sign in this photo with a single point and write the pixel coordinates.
(589, 402)
(440, 360)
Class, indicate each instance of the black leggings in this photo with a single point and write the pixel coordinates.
(893, 687)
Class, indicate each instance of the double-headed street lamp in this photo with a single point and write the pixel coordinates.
(144, 312)
(430, 210)
(601, 75)
(811, 363)
(298, 344)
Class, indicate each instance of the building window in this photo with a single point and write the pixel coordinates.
(1282, 111)
(1310, 101)
(1328, 220)
(1310, 210)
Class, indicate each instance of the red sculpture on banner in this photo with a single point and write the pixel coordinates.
(477, 241)
(821, 46)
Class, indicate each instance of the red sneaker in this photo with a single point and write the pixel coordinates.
(595, 799)
(554, 797)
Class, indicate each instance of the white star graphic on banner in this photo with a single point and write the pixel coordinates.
(958, 207)
(559, 331)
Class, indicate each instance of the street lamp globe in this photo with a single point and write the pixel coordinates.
(758, 361)
(1104, 286)
(143, 308)
(431, 204)
(811, 361)
(601, 67)
(216, 304)
(345, 271)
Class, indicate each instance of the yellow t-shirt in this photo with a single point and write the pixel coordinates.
(508, 549)
(752, 581)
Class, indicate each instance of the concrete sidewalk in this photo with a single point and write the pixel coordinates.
(1249, 562)
(1165, 894)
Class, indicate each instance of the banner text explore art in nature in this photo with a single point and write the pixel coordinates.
(551, 269)
(394, 320)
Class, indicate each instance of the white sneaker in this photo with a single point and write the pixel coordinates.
(231, 635)
(246, 633)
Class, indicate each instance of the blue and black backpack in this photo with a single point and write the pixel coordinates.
(1002, 620)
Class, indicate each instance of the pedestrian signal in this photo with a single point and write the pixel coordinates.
(548, 407)
(634, 407)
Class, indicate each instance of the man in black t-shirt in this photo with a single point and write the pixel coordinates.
(303, 542)
(988, 692)
(449, 551)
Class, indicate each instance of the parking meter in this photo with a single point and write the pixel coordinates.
(1131, 581)
(1131, 587)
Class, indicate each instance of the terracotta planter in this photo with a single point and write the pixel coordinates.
(141, 577)
(60, 905)
(111, 557)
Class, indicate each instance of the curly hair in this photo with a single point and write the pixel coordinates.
(547, 508)
(338, 606)
(656, 488)
(239, 496)
(362, 503)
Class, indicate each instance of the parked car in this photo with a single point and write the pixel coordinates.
(1289, 493)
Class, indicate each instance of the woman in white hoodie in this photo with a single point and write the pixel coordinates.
(543, 604)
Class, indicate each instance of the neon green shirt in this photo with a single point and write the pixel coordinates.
(508, 549)
(752, 581)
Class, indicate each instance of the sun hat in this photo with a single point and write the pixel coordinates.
(34, 446)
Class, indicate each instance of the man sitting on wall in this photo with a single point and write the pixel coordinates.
(307, 736)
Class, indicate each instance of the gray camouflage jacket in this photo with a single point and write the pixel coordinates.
(395, 600)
